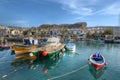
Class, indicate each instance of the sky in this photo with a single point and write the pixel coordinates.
(29, 13)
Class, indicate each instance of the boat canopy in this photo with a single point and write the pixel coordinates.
(53, 39)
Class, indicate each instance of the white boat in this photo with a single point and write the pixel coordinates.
(117, 39)
(70, 46)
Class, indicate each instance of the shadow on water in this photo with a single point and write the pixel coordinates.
(96, 73)
(45, 64)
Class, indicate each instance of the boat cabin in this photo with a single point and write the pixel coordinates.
(53, 41)
(30, 41)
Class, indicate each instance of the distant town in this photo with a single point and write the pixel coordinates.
(67, 32)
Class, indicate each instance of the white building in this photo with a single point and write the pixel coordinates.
(93, 30)
(15, 32)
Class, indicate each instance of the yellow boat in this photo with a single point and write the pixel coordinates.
(23, 49)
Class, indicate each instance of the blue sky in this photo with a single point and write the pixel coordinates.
(36, 12)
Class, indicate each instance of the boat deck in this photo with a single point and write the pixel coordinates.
(50, 49)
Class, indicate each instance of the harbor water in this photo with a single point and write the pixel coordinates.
(70, 66)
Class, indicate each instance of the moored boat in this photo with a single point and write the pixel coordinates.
(70, 46)
(97, 60)
(117, 39)
(51, 49)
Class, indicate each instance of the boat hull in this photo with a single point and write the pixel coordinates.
(21, 49)
(50, 54)
(98, 66)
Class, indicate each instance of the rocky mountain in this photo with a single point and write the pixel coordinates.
(70, 26)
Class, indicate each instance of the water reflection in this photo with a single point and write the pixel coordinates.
(45, 64)
(96, 73)
(70, 53)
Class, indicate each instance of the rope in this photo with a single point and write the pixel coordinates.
(15, 70)
(4, 76)
(68, 73)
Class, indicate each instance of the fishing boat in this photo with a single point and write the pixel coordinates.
(5, 47)
(23, 49)
(52, 48)
(70, 46)
(97, 60)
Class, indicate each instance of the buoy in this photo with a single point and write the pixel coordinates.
(45, 70)
(44, 53)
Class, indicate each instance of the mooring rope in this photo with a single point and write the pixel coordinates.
(15, 70)
(68, 73)
(4, 76)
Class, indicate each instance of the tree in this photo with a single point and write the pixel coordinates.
(74, 35)
(107, 32)
(95, 35)
(89, 35)
(25, 32)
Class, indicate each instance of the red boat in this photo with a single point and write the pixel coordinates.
(4, 47)
(97, 60)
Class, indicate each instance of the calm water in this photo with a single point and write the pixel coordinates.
(69, 67)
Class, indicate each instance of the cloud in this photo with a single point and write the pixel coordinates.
(113, 9)
(79, 7)
(89, 7)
